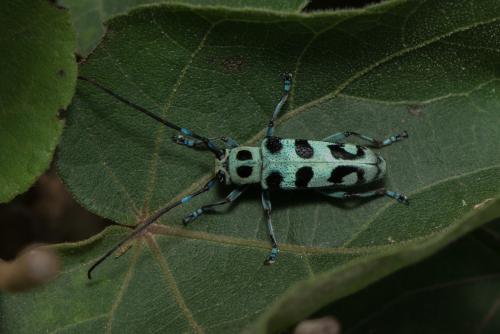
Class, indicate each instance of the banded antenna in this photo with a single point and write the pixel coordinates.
(211, 146)
(146, 223)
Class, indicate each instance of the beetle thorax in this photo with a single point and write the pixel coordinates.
(241, 165)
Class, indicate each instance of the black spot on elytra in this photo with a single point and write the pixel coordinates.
(274, 180)
(303, 176)
(338, 152)
(244, 171)
(340, 172)
(273, 144)
(244, 155)
(303, 149)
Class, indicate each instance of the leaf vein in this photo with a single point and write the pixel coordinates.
(420, 102)
(166, 35)
(114, 178)
(359, 74)
(168, 103)
(379, 212)
(407, 18)
(170, 280)
(123, 288)
(78, 323)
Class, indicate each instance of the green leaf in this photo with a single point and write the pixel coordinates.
(148, 293)
(37, 79)
(306, 297)
(454, 291)
(88, 15)
(427, 67)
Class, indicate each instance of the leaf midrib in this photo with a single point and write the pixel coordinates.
(123, 287)
(172, 285)
(174, 231)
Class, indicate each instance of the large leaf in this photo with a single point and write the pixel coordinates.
(37, 80)
(88, 15)
(145, 295)
(307, 296)
(427, 67)
(455, 291)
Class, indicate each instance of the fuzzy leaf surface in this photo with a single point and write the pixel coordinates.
(37, 80)
(454, 291)
(427, 67)
(304, 297)
(88, 15)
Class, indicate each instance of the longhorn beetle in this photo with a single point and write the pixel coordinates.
(327, 166)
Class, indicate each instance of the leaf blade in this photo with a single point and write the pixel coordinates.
(461, 279)
(38, 81)
(89, 15)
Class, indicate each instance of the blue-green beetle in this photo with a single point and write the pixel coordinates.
(329, 166)
(298, 163)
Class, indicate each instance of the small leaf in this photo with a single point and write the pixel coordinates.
(37, 81)
(454, 291)
(88, 15)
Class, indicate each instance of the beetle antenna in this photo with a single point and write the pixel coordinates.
(151, 220)
(211, 146)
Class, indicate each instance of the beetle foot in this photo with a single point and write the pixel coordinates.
(192, 216)
(403, 199)
(272, 257)
(398, 197)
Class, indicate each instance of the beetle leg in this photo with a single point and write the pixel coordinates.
(395, 195)
(154, 217)
(196, 143)
(379, 192)
(266, 204)
(375, 142)
(229, 142)
(233, 195)
(287, 84)
(189, 142)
